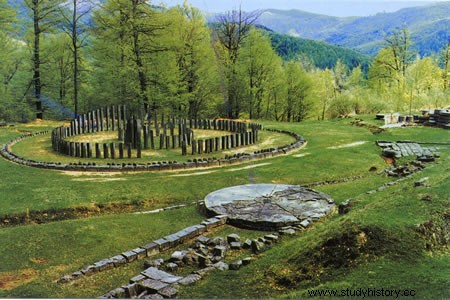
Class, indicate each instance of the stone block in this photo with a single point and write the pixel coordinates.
(247, 244)
(130, 255)
(155, 274)
(89, 270)
(152, 286)
(204, 271)
(131, 290)
(151, 248)
(171, 266)
(118, 260)
(203, 239)
(235, 245)
(104, 264)
(154, 263)
(236, 265)
(246, 261)
(257, 246)
(233, 238)
(190, 279)
(137, 278)
(222, 266)
(271, 237)
(163, 244)
(66, 279)
(140, 252)
(219, 250)
(178, 256)
(305, 223)
(168, 292)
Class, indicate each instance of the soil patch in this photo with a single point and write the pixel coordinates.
(353, 246)
(54, 215)
(11, 280)
(192, 174)
(249, 167)
(348, 145)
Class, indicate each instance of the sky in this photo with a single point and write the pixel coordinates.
(338, 8)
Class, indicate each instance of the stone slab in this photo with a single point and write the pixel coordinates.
(267, 206)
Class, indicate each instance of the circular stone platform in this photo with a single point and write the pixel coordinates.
(269, 206)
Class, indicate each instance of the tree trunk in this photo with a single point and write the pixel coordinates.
(75, 57)
(37, 60)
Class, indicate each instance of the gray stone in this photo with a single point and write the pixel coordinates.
(156, 263)
(77, 274)
(89, 270)
(203, 261)
(190, 279)
(203, 239)
(268, 206)
(190, 258)
(65, 279)
(233, 238)
(152, 248)
(130, 256)
(236, 265)
(118, 260)
(220, 265)
(152, 285)
(257, 246)
(247, 244)
(104, 264)
(178, 256)
(219, 250)
(205, 271)
(171, 266)
(153, 296)
(119, 293)
(235, 245)
(271, 237)
(137, 278)
(131, 290)
(217, 241)
(154, 273)
(168, 292)
(163, 244)
(305, 223)
(246, 261)
(421, 182)
(140, 252)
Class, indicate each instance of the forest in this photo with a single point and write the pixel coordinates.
(61, 58)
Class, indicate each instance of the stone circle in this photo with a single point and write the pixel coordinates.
(269, 206)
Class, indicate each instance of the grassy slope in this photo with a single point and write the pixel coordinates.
(48, 251)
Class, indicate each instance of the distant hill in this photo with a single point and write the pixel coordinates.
(429, 27)
(321, 54)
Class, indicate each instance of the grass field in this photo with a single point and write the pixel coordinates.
(34, 256)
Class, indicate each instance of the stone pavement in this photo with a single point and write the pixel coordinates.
(269, 206)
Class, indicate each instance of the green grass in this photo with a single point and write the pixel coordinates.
(43, 253)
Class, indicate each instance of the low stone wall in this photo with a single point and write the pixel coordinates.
(147, 250)
(153, 166)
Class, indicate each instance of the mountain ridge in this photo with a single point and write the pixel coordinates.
(428, 26)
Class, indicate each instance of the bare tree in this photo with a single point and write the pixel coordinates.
(233, 27)
(75, 27)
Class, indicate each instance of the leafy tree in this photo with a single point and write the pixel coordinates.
(298, 86)
(44, 14)
(231, 31)
(257, 60)
(195, 60)
(446, 70)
